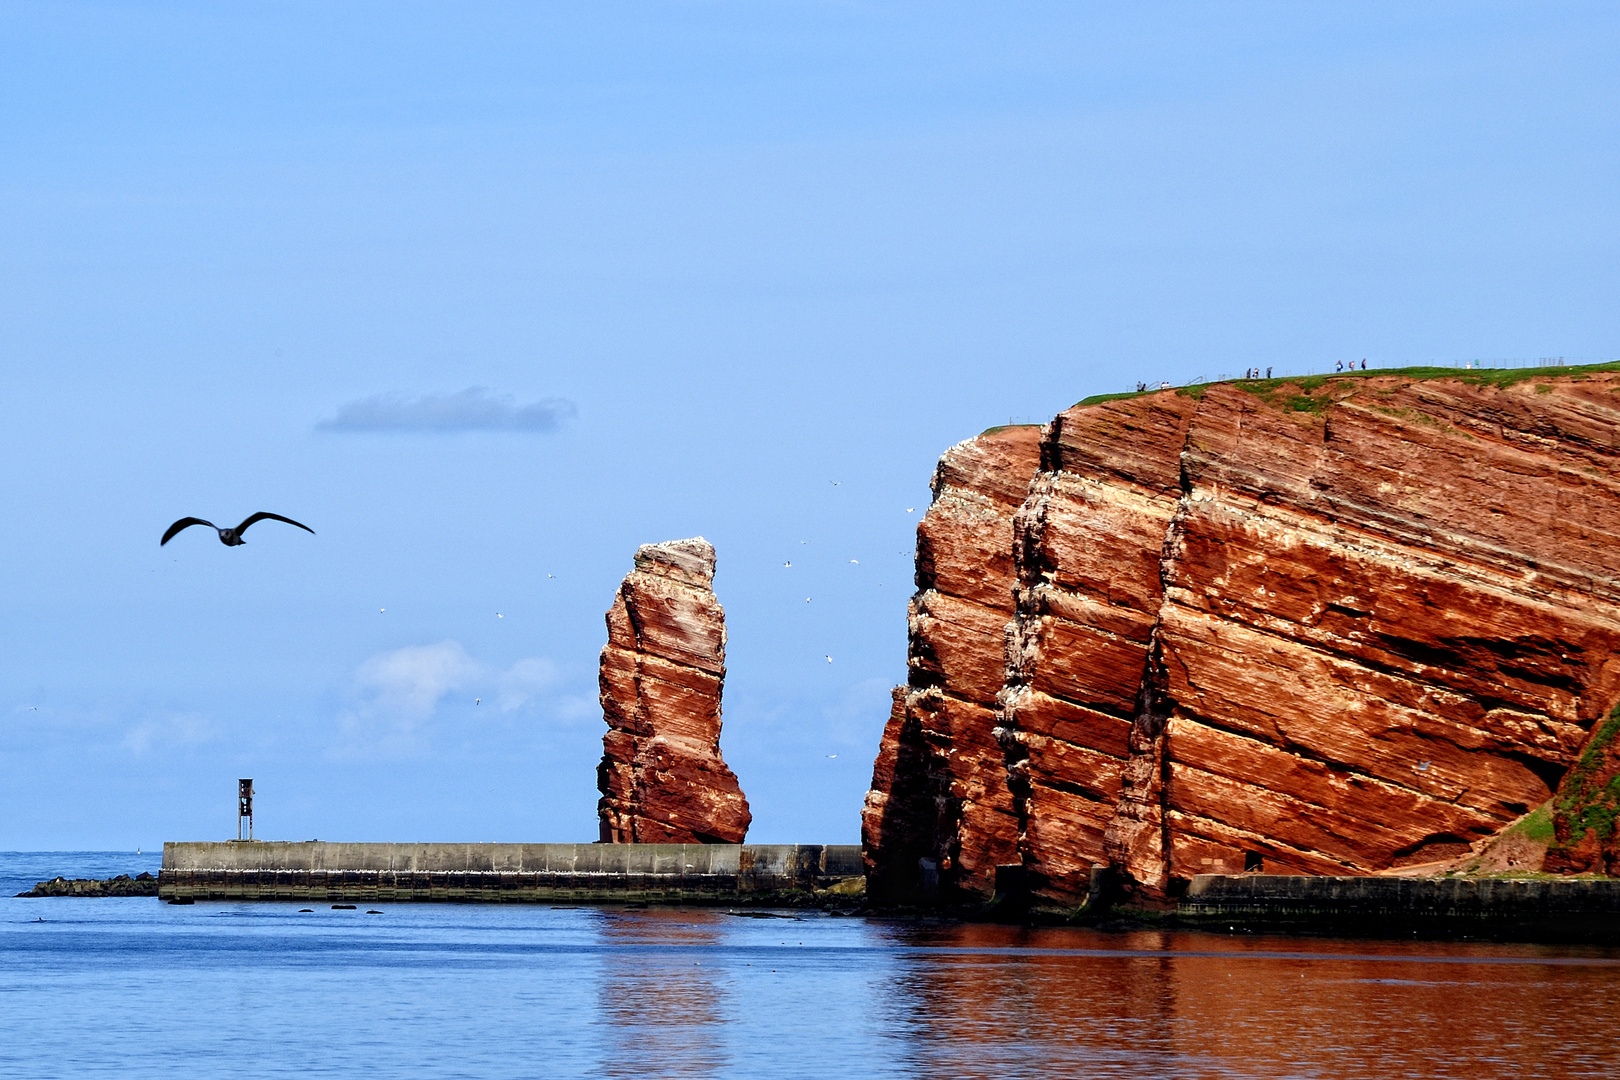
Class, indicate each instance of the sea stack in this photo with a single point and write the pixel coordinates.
(662, 778)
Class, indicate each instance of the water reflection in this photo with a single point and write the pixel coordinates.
(994, 1002)
(520, 990)
(659, 995)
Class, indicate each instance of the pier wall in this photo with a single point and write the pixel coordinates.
(546, 873)
(1574, 909)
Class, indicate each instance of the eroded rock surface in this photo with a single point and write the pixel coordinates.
(662, 778)
(1586, 810)
(940, 816)
(1338, 628)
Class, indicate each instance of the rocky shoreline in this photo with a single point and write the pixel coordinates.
(143, 884)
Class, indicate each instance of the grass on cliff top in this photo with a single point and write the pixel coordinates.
(1304, 401)
(1007, 427)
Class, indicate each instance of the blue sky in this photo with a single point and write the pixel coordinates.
(490, 294)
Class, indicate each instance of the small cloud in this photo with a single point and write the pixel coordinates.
(525, 679)
(473, 409)
(175, 729)
(408, 683)
(574, 707)
(398, 693)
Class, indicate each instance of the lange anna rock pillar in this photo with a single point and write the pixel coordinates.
(662, 778)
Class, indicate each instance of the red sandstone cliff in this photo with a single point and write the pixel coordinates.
(662, 777)
(1340, 627)
(950, 821)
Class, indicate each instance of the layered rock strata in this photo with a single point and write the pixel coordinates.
(662, 778)
(1336, 627)
(940, 816)
(1089, 545)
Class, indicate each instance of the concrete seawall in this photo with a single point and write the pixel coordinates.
(1581, 909)
(545, 873)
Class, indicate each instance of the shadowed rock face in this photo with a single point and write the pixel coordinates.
(662, 778)
(951, 821)
(1335, 630)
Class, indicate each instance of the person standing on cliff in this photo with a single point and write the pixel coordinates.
(1268, 371)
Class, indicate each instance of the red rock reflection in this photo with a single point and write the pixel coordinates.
(995, 1001)
(658, 994)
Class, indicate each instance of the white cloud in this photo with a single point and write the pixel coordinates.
(398, 693)
(472, 409)
(175, 729)
(525, 679)
(407, 683)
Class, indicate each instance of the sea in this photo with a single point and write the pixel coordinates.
(138, 988)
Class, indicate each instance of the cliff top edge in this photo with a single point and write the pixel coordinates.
(1498, 377)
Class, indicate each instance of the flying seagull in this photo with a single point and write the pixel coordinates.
(229, 537)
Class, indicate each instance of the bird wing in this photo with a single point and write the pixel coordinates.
(262, 514)
(183, 523)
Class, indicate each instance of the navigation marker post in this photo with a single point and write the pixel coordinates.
(244, 808)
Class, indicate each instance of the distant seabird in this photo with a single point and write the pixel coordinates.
(229, 537)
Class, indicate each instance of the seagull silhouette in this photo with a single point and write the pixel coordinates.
(229, 537)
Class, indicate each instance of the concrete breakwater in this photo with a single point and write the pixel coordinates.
(545, 873)
(1541, 909)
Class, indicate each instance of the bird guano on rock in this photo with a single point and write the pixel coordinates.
(229, 537)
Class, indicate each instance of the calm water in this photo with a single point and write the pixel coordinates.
(494, 991)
